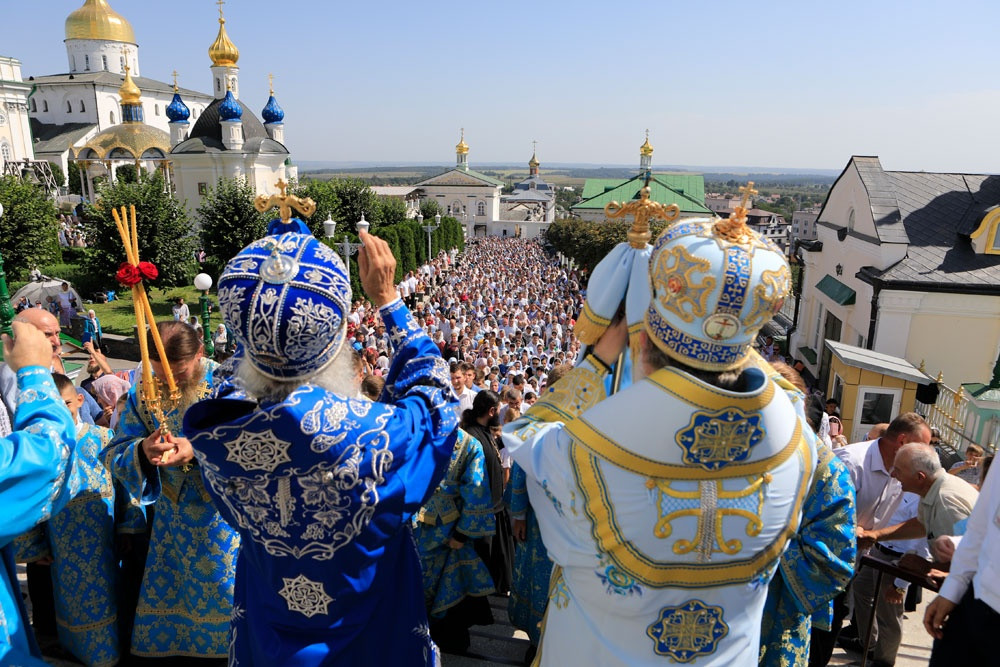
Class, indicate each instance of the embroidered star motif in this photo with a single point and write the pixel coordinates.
(305, 596)
(258, 451)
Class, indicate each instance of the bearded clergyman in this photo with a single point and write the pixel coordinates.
(320, 483)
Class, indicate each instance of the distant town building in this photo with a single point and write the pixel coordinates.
(723, 204)
(684, 189)
(804, 225)
(906, 264)
(770, 225)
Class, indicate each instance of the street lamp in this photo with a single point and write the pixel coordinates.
(346, 247)
(430, 229)
(203, 283)
(6, 310)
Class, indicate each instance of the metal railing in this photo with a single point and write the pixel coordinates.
(950, 414)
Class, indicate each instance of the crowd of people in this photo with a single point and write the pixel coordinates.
(261, 510)
(71, 232)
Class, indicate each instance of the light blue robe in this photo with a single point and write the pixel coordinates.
(187, 589)
(461, 504)
(529, 591)
(38, 477)
(80, 540)
(322, 488)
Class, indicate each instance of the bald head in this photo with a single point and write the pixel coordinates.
(45, 322)
(916, 466)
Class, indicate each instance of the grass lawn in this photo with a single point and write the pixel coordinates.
(118, 316)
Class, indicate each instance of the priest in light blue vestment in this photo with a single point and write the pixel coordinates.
(38, 476)
(322, 485)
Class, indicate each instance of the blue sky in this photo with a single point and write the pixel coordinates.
(777, 84)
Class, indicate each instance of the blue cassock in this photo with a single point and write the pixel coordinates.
(529, 590)
(461, 504)
(187, 587)
(80, 541)
(38, 476)
(322, 489)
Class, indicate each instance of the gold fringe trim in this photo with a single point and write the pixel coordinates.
(591, 326)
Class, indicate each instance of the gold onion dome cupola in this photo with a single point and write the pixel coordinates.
(462, 148)
(646, 149)
(96, 20)
(223, 52)
(533, 162)
(129, 92)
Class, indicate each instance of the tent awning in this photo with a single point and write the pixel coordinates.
(836, 290)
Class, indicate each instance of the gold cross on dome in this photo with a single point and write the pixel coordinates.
(285, 203)
(220, 3)
(748, 191)
(270, 83)
(175, 81)
(642, 211)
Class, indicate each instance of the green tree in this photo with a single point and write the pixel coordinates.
(392, 210)
(429, 208)
(327, 205)
(75, 186)
(355, 198)
(29, 230)
(127, 173)
(163, 226)
(229, 221)
(57, 173)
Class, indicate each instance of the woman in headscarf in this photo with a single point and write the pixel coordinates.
(108, 389)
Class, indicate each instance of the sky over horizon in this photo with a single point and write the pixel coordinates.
(780, 84)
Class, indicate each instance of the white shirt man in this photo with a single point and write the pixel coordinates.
(967, 612)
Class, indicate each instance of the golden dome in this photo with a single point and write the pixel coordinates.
(462, 148)
(533, 162)
(223, 52)
(133, 138)
(96, 20)
(646, 149)
(129, 92)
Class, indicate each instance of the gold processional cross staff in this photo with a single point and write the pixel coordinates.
(126, 224)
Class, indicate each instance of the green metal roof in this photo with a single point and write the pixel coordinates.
(836, 290)
(663, 188)
(808, 353)
(692, 185)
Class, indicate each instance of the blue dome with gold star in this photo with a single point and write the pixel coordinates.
(177, 111)
(272, 113)
(230, 109)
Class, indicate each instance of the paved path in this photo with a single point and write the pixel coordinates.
(502, 644)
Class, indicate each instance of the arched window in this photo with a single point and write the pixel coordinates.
(156, 109)
(218, 85)
(69, 107)
(112, 116)
(45, 106)
(74, 64)
(5, 152)
(480, 208)
(86, 63)
(104, 63)
(850, 219)
(82, 108)
(121, 62)
(34, 108)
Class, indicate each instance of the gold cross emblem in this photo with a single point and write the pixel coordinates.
(642, 211)
(285, 202)
(689, 631)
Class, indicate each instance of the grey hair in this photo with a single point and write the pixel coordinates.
(339, 377)
(922, 458)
